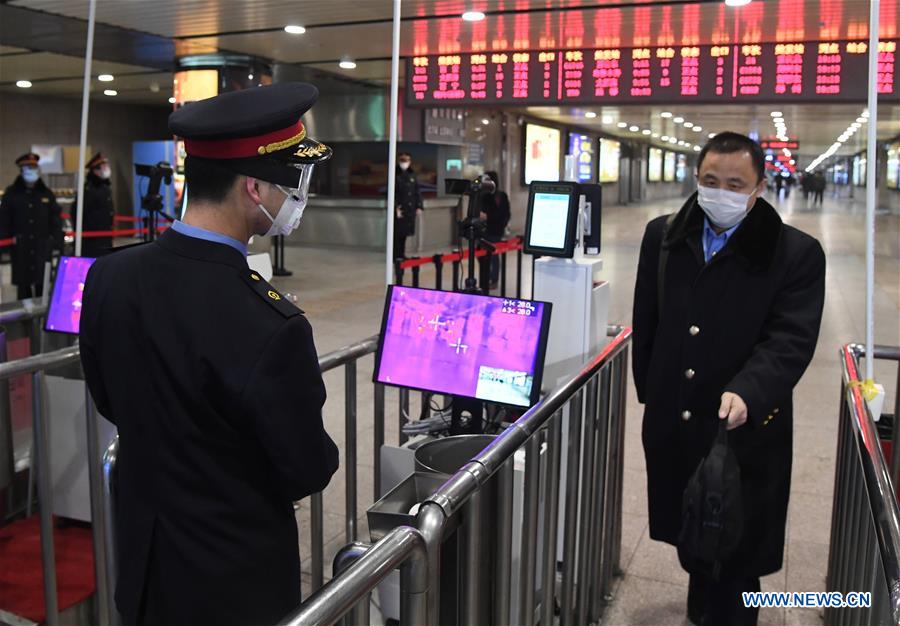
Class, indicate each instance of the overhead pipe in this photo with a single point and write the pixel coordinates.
(85, 109)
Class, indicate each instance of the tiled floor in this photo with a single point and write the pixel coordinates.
(342, 294)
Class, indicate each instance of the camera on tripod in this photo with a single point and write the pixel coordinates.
(472, 227)
(162, 171)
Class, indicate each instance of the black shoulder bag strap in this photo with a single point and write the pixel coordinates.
(661, 268)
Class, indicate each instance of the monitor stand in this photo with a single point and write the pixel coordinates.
(473, 409)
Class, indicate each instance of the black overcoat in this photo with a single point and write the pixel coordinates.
(213, 381)
(408, 196)
(745, 322)
(98, 214)
(32, 216)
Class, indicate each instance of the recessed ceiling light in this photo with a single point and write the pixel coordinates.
(633, 129)
(769, 157)
(673, 140)
(665, 114)
(347, 64)
(865, 114)
(688, 124)
(698, 129)
(778, 120)
(678, 120)
(23, 84)
(696, 148)
(665, 137)
(473, 16)
(861, 120)
(110, 92)
(655, 135)
(646, 131)
(172, 100)
(294, 29)
(776, 114)
(622, 125)
(106, 78)
(607, 119)
(737, 3)
(590, 115)
(711, 135)
(485, 121)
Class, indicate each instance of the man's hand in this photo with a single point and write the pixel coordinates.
(733, 409)
(418, 211)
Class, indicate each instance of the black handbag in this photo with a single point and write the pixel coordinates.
(712, 510)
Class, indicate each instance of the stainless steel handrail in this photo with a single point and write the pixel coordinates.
(864, 458)
(39, 362)
(403, 547)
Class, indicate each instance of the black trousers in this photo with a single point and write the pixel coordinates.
(719, 603)
(817, 199)
(399, 243)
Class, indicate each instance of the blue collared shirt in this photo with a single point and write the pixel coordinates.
(713, 243)
(208, 235)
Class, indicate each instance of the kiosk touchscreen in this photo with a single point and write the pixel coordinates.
(64, 314)
(552, 219)
(461, 344)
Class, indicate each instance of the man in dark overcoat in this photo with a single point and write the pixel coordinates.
(98, 206)
(30, 215)
(407, 204)
(742, 296)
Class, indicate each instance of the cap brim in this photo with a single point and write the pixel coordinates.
(280, 167)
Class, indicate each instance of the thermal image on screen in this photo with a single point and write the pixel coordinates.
(462, 344)
(64, 315)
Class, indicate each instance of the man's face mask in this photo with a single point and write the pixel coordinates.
(404, 165)
(288, 218)
(724, 208)
(31, 175)
(103, 171)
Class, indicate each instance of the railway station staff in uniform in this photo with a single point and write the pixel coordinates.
(742, 296)
(212, 377)
(408, 204)
(98, 206)
(30, 215)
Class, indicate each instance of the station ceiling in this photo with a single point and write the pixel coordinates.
(137, 40)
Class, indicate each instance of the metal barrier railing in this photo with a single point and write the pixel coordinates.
(593, 402)
(864, 553)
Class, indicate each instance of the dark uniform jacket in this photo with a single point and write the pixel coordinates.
(745, 322)
(98, 214)
(408, 197)
(213, 381)
(32, 216)
(496, 207)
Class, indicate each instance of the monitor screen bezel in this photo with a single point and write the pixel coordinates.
(539, 359)
(568, 249)
(50, 300)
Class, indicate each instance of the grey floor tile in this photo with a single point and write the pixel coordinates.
(647, 602)
(807, 565)
(657, 561)
(803, 617)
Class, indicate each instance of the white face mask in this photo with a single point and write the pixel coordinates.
(104, 172)
(291, 211)
(30, 174)
(723, 208)
(404, 165)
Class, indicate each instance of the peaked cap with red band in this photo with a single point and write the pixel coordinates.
(29, 159)
(96, 161)
(256, 132)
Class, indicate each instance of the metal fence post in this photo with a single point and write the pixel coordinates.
(529, 530)
(415, 275)
(378, 437)
(503, 257)
(551, 518)
(398, 271)
(45, 497)
(587, 500)
(438, 271)
(570, 537)
(599, 560)
(455, 275)
(98, 519)
(503, 543)
(350, 427)
(404, 413)
(317, 541)
(109, 539)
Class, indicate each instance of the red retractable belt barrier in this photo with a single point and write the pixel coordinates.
(95, 234)
(501, 247)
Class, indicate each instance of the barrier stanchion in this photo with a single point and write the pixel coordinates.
(415, 275)
(438, 271)
(398, 271)
(456, 263)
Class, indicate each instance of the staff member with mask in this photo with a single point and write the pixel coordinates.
(407, 204)
(725, 333)
(98, 206)
(30, 215)
(212, 377)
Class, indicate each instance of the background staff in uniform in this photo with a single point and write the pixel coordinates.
(407, 204)
(98, 206)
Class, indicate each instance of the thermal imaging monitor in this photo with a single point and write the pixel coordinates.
(460, 344)
(552, 219)
(64, 315)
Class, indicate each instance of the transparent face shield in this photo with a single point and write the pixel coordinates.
(288, 217)
(301, 192)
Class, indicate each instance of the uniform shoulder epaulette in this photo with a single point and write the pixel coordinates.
(268, 293)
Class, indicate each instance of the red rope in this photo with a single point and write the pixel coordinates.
(501, 247)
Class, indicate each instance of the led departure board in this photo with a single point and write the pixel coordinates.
(792, 72)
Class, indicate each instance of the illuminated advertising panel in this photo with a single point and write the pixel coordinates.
(582, 148)
(542, 153)
(669, 167)
(803, 71)
(654, 165)
(610, 155)
(681, 168)
(893, 166)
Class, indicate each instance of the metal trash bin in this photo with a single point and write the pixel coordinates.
(447, 455)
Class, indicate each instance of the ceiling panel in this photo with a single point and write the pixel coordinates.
(44, 65)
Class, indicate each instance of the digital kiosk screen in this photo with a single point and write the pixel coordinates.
(64, 315)
(551, 219)
(461, 344)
